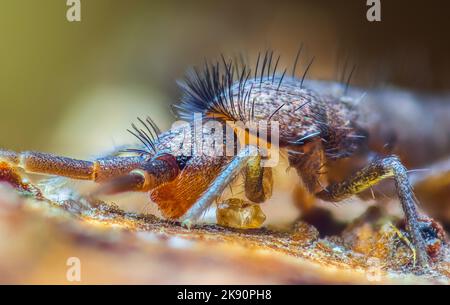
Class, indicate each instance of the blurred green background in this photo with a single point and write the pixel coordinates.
(74, 88)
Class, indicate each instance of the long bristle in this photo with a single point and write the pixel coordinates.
(223, 88)
(146, 135)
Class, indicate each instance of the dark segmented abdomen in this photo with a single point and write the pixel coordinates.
(413, 125)
(416, 126)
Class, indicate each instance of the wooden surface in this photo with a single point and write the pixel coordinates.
(38, 236)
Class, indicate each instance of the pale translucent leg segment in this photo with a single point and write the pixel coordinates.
(241, 214)
(219, 184)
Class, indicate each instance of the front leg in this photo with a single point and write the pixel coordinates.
(241, 214)
(258, 186)
(372, 174)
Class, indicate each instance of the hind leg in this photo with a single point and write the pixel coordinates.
(380, 169)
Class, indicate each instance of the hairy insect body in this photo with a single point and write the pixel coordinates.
(314, 128)
(414, 126)
(335, 142)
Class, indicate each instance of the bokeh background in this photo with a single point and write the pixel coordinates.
(74, 88)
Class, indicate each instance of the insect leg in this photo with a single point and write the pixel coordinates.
(258, 180)
(219, 184)
(241, 214)
(372, 174)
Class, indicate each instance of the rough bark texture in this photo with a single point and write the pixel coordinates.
(37, 236)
